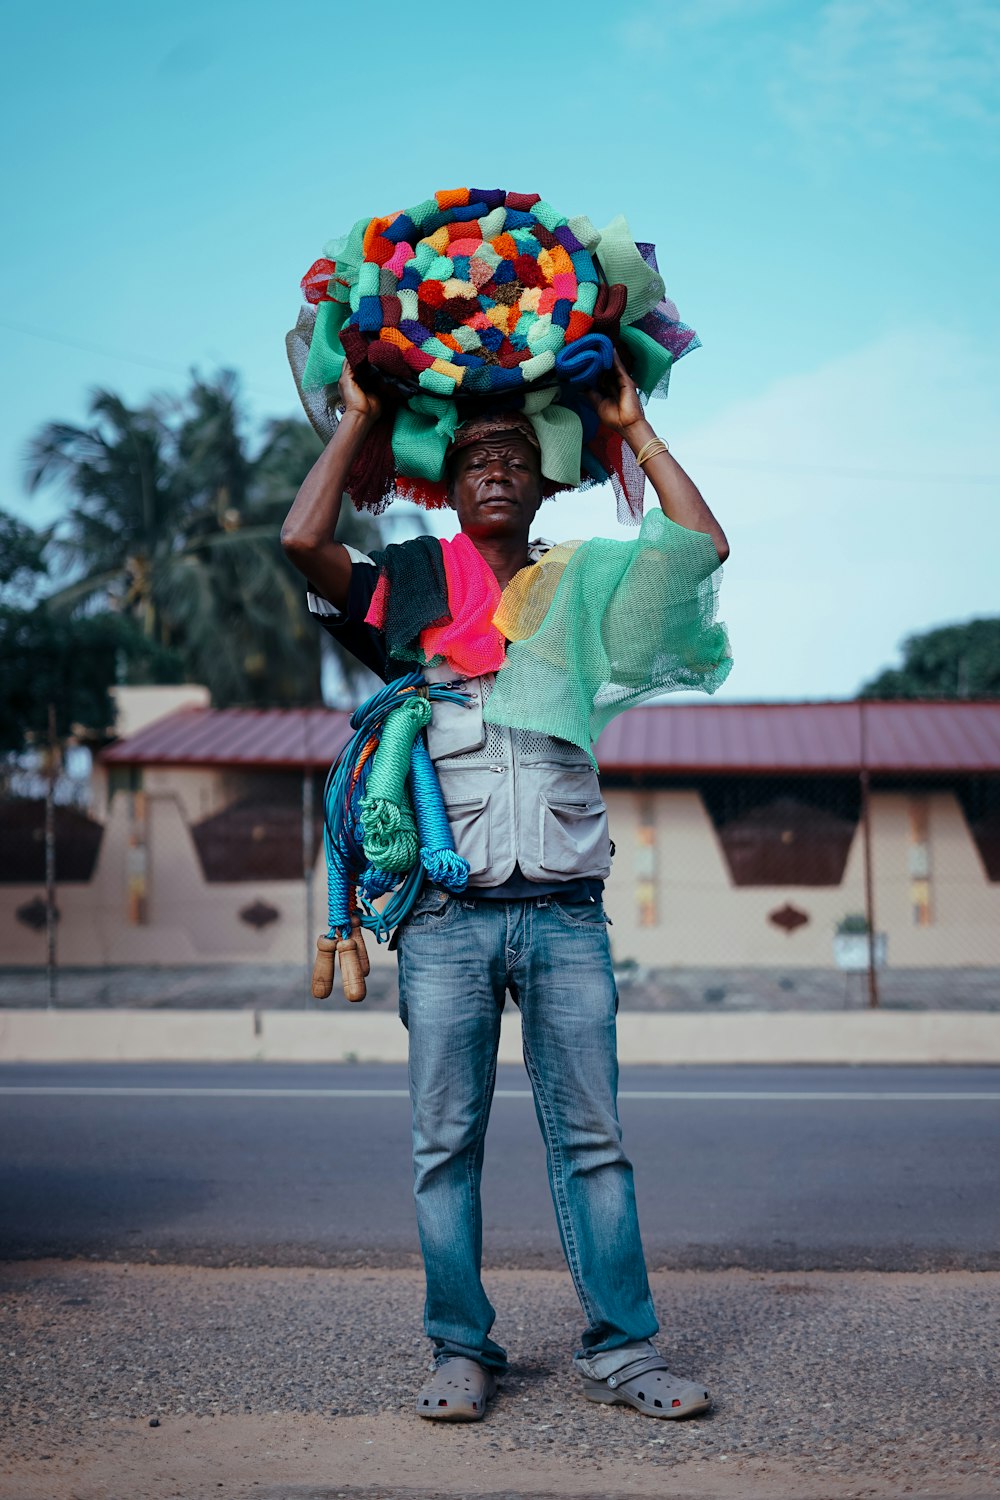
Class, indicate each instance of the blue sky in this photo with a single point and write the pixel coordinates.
(820, 180)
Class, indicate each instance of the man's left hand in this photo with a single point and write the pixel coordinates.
(619, 406)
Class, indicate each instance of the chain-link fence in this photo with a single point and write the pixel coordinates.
(200, 888)
(203, 886)
(806, 892)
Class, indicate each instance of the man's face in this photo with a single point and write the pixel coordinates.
(496, 486)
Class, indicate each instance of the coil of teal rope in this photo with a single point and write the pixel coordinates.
(353, 882)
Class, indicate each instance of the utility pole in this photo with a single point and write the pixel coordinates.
(308, 861)
(50, 859)
(866, 826)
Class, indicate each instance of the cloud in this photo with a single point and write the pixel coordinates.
(188, 58)
(880, 69)
(858, 503)
(860, 499)
(649, 29)
(842, 71)
(914, 408)
(642, 33)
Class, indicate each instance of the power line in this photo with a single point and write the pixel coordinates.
(119, 354)
(902, 476)
(740, 466)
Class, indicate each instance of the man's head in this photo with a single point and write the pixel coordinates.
(495, 476)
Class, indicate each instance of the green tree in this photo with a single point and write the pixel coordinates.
(118, 537)
(22, 559)
(174, 523)
(48, 656)
(953, 661)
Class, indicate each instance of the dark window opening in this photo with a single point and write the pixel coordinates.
(782, 830)
(22, 839)
(772, 836)
(980, 800)
(258, 837)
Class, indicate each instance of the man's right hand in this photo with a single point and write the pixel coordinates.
(309, 533)
(354, 399)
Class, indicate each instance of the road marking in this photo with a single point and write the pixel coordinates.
(824, 1096)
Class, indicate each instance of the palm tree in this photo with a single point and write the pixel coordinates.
(173, 522)
(118, 532)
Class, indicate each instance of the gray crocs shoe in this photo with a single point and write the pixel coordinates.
(457, 1391)
(648, 1385)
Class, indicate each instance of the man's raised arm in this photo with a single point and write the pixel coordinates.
(680, 498)
(308, 535)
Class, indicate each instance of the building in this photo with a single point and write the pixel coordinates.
(739, 830)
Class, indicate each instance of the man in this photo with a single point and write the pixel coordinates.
(526, 811)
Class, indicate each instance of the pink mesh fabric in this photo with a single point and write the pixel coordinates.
(379, 604)
(469, 641)
(629, 485)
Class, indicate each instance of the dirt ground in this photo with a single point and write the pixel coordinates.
(134, 1382)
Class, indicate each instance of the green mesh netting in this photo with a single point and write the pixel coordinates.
(622, 261)
(628, 620)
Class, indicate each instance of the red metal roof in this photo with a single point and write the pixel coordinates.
(275, 737)
(709, 738)
(753, 738)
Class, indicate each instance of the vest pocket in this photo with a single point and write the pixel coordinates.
(573, 838)
(456, 728)
(470, 827)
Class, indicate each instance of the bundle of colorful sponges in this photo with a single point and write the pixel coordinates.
(481, 299)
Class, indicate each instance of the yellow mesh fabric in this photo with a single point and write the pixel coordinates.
(525, 601)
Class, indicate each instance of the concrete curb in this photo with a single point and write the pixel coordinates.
(89, 1036)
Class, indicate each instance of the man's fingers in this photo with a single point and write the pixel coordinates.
(627, 383)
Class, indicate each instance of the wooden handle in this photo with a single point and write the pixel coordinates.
(322, 981)
(351, 976)
(358, 934)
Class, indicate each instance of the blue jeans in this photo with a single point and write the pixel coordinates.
(457, 958)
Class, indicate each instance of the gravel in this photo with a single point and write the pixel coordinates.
(863, 1376)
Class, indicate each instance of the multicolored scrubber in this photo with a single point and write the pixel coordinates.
(481, 299)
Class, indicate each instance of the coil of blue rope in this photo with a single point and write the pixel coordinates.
(353, 884)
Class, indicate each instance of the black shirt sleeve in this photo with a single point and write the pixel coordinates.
(348, 627)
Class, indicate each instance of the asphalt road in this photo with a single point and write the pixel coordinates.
(779, 1168)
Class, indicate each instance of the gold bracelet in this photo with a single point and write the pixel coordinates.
(650, 450)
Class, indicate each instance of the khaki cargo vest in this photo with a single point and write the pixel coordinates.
(514, 796)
